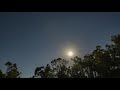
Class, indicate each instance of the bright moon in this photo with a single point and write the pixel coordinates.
(70, 53)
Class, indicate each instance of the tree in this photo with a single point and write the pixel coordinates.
(11, 72)
(77, 70)
(101, 63)
(57, 69)
(43, 72)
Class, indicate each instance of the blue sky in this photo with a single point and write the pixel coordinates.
(33, 39)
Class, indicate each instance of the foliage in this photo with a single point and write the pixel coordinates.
(101, 63)
(11, 72)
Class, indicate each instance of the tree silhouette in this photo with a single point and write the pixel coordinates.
(11, 72)
(57, 69)
(101, 63)
(77, 70)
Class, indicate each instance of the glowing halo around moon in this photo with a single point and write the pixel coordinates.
(70, 50)
(70, 53)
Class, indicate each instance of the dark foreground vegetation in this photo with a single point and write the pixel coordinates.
(101, 63)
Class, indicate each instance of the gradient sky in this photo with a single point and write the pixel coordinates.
(33, 39)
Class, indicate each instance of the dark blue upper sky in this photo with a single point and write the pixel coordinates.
(33, 39)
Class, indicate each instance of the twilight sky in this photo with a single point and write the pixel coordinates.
(33, 39)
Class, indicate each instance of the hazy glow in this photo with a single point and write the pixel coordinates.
(70, 53)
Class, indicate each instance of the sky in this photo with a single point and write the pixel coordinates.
(33, 39)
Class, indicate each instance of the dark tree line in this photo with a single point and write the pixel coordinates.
(101, 63)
